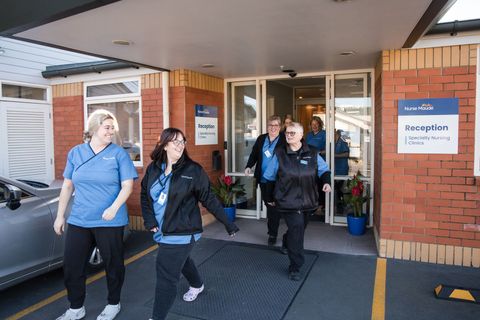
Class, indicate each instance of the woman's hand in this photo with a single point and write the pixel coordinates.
(326, 188)
(154, 229)
(109, 213)
(59, 225)
(248, 171)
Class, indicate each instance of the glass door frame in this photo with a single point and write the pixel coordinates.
(260, 83)
(330, 90)
(230, 115)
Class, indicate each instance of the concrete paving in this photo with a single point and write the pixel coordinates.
(333, 286)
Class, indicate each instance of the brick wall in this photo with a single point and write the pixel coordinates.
(67, 122)
(430, 203)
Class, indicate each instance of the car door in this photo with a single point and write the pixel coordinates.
(26, 237)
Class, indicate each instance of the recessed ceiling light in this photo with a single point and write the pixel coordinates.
(300, 98)
(207, 65)
(348, 53)
(122, 42)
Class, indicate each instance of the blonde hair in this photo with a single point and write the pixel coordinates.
(95, 120)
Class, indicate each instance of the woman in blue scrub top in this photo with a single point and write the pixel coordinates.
(317, 138)
(171, 189)
(261, 155)
(101, 174)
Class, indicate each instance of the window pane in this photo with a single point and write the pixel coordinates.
(112, 89)
(127, 114)
(21, 92)
(353, 115)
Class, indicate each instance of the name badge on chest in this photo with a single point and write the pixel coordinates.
(305, 162)
(267, 153)
(162, 198)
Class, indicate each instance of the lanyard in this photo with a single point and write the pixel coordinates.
(272, 142)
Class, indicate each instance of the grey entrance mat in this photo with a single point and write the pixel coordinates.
(243, 282)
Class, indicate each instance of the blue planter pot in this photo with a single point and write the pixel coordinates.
(230, 212)
(356, 225)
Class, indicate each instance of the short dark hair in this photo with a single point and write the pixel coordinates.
(159, 154)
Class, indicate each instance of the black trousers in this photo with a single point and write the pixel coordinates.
(294, 237)
(172, 261)
(79, 243)
(273, 216)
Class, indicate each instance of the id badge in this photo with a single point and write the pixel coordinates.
(162, 198)
(267, 153)
(304, 162)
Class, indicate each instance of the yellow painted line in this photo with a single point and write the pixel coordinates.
(378, 304)
(63, 293)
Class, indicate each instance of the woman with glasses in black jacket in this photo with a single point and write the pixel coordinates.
(171, 189)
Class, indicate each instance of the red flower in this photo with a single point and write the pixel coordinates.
(228, 180)
(356, 191)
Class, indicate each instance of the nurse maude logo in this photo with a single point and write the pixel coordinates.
(108, 158)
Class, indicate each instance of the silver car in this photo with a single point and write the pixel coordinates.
(29, 244)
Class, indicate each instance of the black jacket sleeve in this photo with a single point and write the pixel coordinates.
(325, 178)
(253, 158)
(208, 199)
(148, 214)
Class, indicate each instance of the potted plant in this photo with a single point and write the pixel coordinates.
(226, 190)
(355, 198)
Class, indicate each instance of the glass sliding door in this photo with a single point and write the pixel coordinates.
(245, 127)
(350, 138)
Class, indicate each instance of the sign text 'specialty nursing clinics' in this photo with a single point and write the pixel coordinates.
(206, 125)
(428, 126)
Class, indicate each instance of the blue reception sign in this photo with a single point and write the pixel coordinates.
(206, 125)
(428, 126)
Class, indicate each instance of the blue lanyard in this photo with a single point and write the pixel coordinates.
(271, 142)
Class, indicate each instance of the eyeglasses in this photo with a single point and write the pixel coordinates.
(290, 133)
(179, 142)
(273, 126)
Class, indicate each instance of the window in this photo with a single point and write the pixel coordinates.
(23, 92)
(122, 98)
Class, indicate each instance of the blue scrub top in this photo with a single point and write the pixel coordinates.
(271, 173)
(267, 156)
(341, 164)
(318, 141)
(159, 190)
(97, 180)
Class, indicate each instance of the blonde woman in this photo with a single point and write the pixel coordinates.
(101, 174)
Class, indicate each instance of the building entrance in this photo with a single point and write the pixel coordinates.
(336, 113)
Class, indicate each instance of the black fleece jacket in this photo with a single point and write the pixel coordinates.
(188, 186)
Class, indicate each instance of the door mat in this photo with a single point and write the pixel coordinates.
(243, 282)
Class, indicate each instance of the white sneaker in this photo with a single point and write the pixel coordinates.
(73, 314)
(110, 312)
(192, 293)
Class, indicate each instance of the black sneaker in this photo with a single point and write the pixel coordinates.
(294, 275)
(272, 240)
(284, 250)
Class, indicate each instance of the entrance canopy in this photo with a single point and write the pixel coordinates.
(226, 38)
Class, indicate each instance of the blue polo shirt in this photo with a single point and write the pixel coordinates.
(341, 164)
(318, 140)
(97, 180)
(159, 194)
(267, 153)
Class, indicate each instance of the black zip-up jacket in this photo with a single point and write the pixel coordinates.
(297, 184)
(189, 184)
(256, 156)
